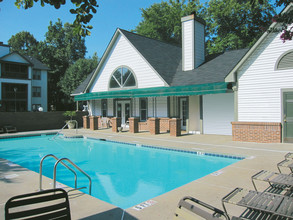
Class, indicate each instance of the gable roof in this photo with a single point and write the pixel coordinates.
(36, 63)
(17, 53)
(166, 59)
(31, 60)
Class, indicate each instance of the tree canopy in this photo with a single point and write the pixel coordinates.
(233, 24)
(230, 24)
(24, 43)
(76, 74)
(162, 21)
(84, 10)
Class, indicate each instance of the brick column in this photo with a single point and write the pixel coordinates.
(133, 125)
(116, 123)
(154, 125)
(94, 123)
(86, 122)
(175, 127)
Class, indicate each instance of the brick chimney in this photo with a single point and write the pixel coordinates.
(193, 42)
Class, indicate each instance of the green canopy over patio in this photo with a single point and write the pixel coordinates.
(210, 88)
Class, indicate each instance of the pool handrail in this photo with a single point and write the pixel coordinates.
(73, 164)
(76, 127)
(56, 158)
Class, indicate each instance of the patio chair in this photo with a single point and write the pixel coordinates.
(190, 208)
(275, 180)
(47, 204)
(272, 206)
(288, 163)
(9, 128)
(1, 130)
(289, 155)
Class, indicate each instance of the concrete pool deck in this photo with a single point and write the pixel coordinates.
(211, 189)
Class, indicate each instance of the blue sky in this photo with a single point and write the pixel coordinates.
(111, 14)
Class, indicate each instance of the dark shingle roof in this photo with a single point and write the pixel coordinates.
(214, 69)
(81, 88)
(163, 57)
(36, 63)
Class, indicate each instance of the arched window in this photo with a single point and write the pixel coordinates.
(121, 78)
(285, 61)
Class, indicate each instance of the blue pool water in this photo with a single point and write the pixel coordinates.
(122, 174)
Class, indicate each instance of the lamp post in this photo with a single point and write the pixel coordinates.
(15, 90)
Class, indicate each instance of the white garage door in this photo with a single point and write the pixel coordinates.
(218, 113)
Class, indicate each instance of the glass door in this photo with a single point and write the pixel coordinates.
(123, 112)
(288, 116)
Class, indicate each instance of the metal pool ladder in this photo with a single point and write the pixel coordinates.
(76, 126)
(55, 171)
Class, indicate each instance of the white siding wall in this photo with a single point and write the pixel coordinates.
(161, 107)
(188, 45)
(199, 44)
(123, 53)
(193, 44)
(260, 85)
(218, 113)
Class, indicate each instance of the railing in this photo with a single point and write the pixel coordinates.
(56, 158)
(76, 126)
(73, 164)
(55, 170)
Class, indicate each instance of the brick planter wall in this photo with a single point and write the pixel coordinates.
(260, 132)
(154, 125)
(143, 126)
(86, 122)
(116, 123)
(175, 127)
(94, 123)
(133, 125)
(164, 124)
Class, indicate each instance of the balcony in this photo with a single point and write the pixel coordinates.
(14, 75)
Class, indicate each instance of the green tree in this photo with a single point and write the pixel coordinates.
(162, 21)
(83, 9)
(283, 19)
(233, 24)
(60, 49)
(76, 74)
(24, 43)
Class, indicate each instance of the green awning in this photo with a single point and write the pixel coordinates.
(210, 88)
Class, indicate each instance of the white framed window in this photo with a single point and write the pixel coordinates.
(37, 74)
(36, 91)
(143, 109)
(104, 107)
(122, 77)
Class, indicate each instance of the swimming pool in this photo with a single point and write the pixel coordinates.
(122, 174)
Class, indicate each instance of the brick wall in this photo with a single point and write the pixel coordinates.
(164, 124)
(143, 126)
(33, 121)
(260, 132)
